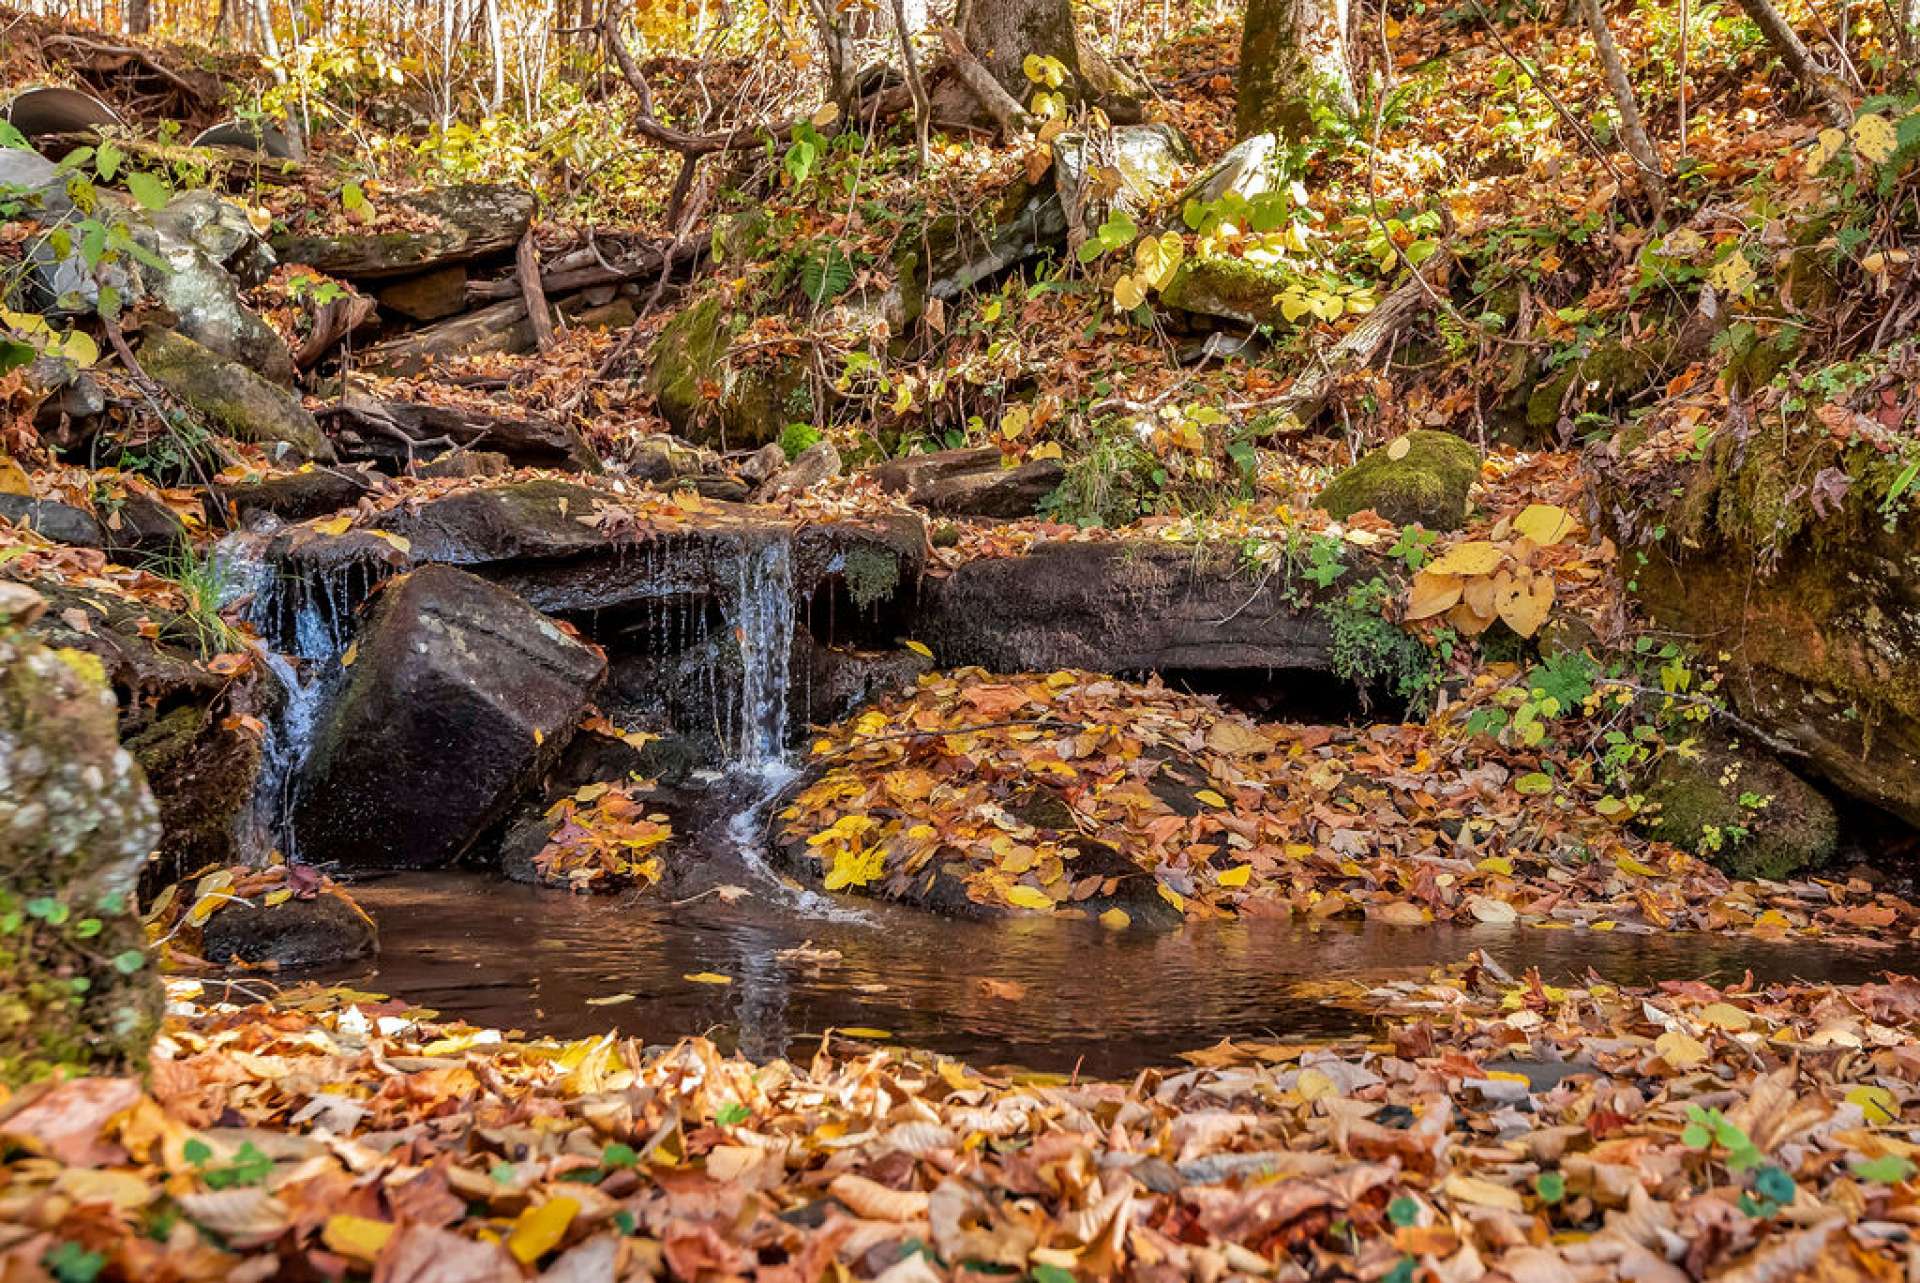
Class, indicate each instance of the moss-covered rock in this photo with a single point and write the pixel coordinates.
(238, 402)
(457, 224)
(1427, 483)
(1230, 288)
(1742, 810)
(712, 400)
(76, 824)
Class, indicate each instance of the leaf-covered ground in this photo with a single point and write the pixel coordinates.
(1501, 1128)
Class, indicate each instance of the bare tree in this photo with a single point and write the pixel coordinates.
(1632, 131)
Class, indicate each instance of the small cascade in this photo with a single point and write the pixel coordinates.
(762, 620)
(304, 692)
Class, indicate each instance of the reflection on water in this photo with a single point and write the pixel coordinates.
(502, 954)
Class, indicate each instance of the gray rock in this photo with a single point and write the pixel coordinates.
(1131, 168)
(469, 221)
(460, 695)
(57, 521)
(238, 401)
(1036, 221)
(817, 463)
(763, 463)
(1247, 170)
(291, 496)
(971, 482)
(196, 236)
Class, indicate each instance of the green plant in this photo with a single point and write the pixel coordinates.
(871, 576)
(201, 581)
(797, 438)
(1110, 484)
(1372, 652)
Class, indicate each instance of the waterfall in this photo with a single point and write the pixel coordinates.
(763, 607)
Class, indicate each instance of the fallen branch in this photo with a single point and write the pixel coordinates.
(526, 267)
(1011, 117)
(1794, 56)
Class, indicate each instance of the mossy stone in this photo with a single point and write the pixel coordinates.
(1427, 485)
(1230, 288)
(1784, 827)
(689, 362)
(76, 824)
(239, 402)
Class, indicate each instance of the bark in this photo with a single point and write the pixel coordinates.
(1293, 66)
(1001, 33)
(527, 268)
(1005, 110)
(496, 49)
(1632, 132)
(1794, 56)
(1358, 348)
(139, 16)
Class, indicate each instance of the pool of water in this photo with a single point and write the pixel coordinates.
(1039, 994)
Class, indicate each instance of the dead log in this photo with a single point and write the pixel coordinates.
(526, 269)
(1358, 347)
(421, 430)
(1007, 113)
(331, 324)
(581, 270)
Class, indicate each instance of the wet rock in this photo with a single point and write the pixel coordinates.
(1120, 606)
(832, 683)
(971, 483)
(76, 823)
(204, 243)
(145, 649)
(690, 358)
(72, 401)
(54, 520)
(202, 768)
(137, 525)
(1742, 810)
(239, 402)
(594, 759)
(817, 463)
(328, 928)
(1427, 484)
(468, 222)
(503, 329)
(459, 696)
(292, 496)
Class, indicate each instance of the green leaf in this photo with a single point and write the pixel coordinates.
(352, 198)
(149, 191)
(106, 161)
(14, 354)
(618, 1155)
(1696, 1136)
(129, 961)
(197, 1152)
(71, 1263)
(1888, 1169)
(1051, 1274)
(87, 928)
(503, 1173)
(1550, 1186)
(1403, 1211)
(12, 137)
(1402, 1271)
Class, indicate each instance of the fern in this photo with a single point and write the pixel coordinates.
(826, 275)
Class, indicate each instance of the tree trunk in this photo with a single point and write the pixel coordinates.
(1632, 132)
(1794, 56)
(1293, 67)
(1001, 33)
(496, 50)
(139, 16)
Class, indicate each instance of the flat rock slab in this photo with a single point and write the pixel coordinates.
(459, 696)
(1121, 606)
(466, 221)
(527, 440)
(971, 483)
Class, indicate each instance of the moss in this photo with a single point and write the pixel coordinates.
(237, 401)
(1747, 814)
(689, 365)
(1609, 372)
(872, 575)
(1427, 485)
(1230, 288)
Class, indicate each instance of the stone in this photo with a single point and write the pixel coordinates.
(1134, 168)
(76, 823)
(1427, 485)
(469, 221)
(238, 402)
(971, 482)
(202, 771)
(1741, 810)
(428, 296)
(1123, 606)
(139, 525)
(1231, 289)
(465, 465)
(1249, 168)
(60, 522)
(196, 237)
(689, 360)
(763, 463)
(291, 496)
(323, 930)
(1030, 222)
(527, 440)
(817, 463)
(661, 458)
(459, 697)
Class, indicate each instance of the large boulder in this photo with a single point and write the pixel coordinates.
(60, 522)
(239, 402)
(1130, 168)
(1422, 478)
(971, 482)
(76, 824)
(711, 399)
(201, 243)
(1740, 809)
(458, 697)
(1120, 606)
(457, 224)
(1231, 289)
(1776, 552)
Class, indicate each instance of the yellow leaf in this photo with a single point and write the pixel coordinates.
(1397, 448)
(1825, 148)
(1544, 523)
(14, 479)
(359, 1237)
(351, 653)
(1471, 1189)
(1171, 896)
(1874, 137)
(1432, 594)
(1129, 293)
(708, 978)
(920, 648)
(1210, 797)
(1733, 277)
(1724, 1015)
(279, 897)
(863, 1033)
(1876, 1103)
(1115, 919)
(1525, 603)
(538, 1230)
(1474, 557)
(1027, 897)
(334, 525)
(1293, 306)
(1315, 1084)
(400, 543)
(1680, 1050)
(1236, 876)
(1049, 450)
(826, 115)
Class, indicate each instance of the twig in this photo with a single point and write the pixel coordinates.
(995, 100)
(922, 105)
(1546, 91)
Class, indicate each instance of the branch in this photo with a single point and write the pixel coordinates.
(998, 103)
(1798, 61)
(1632, 132)
(526, 263)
